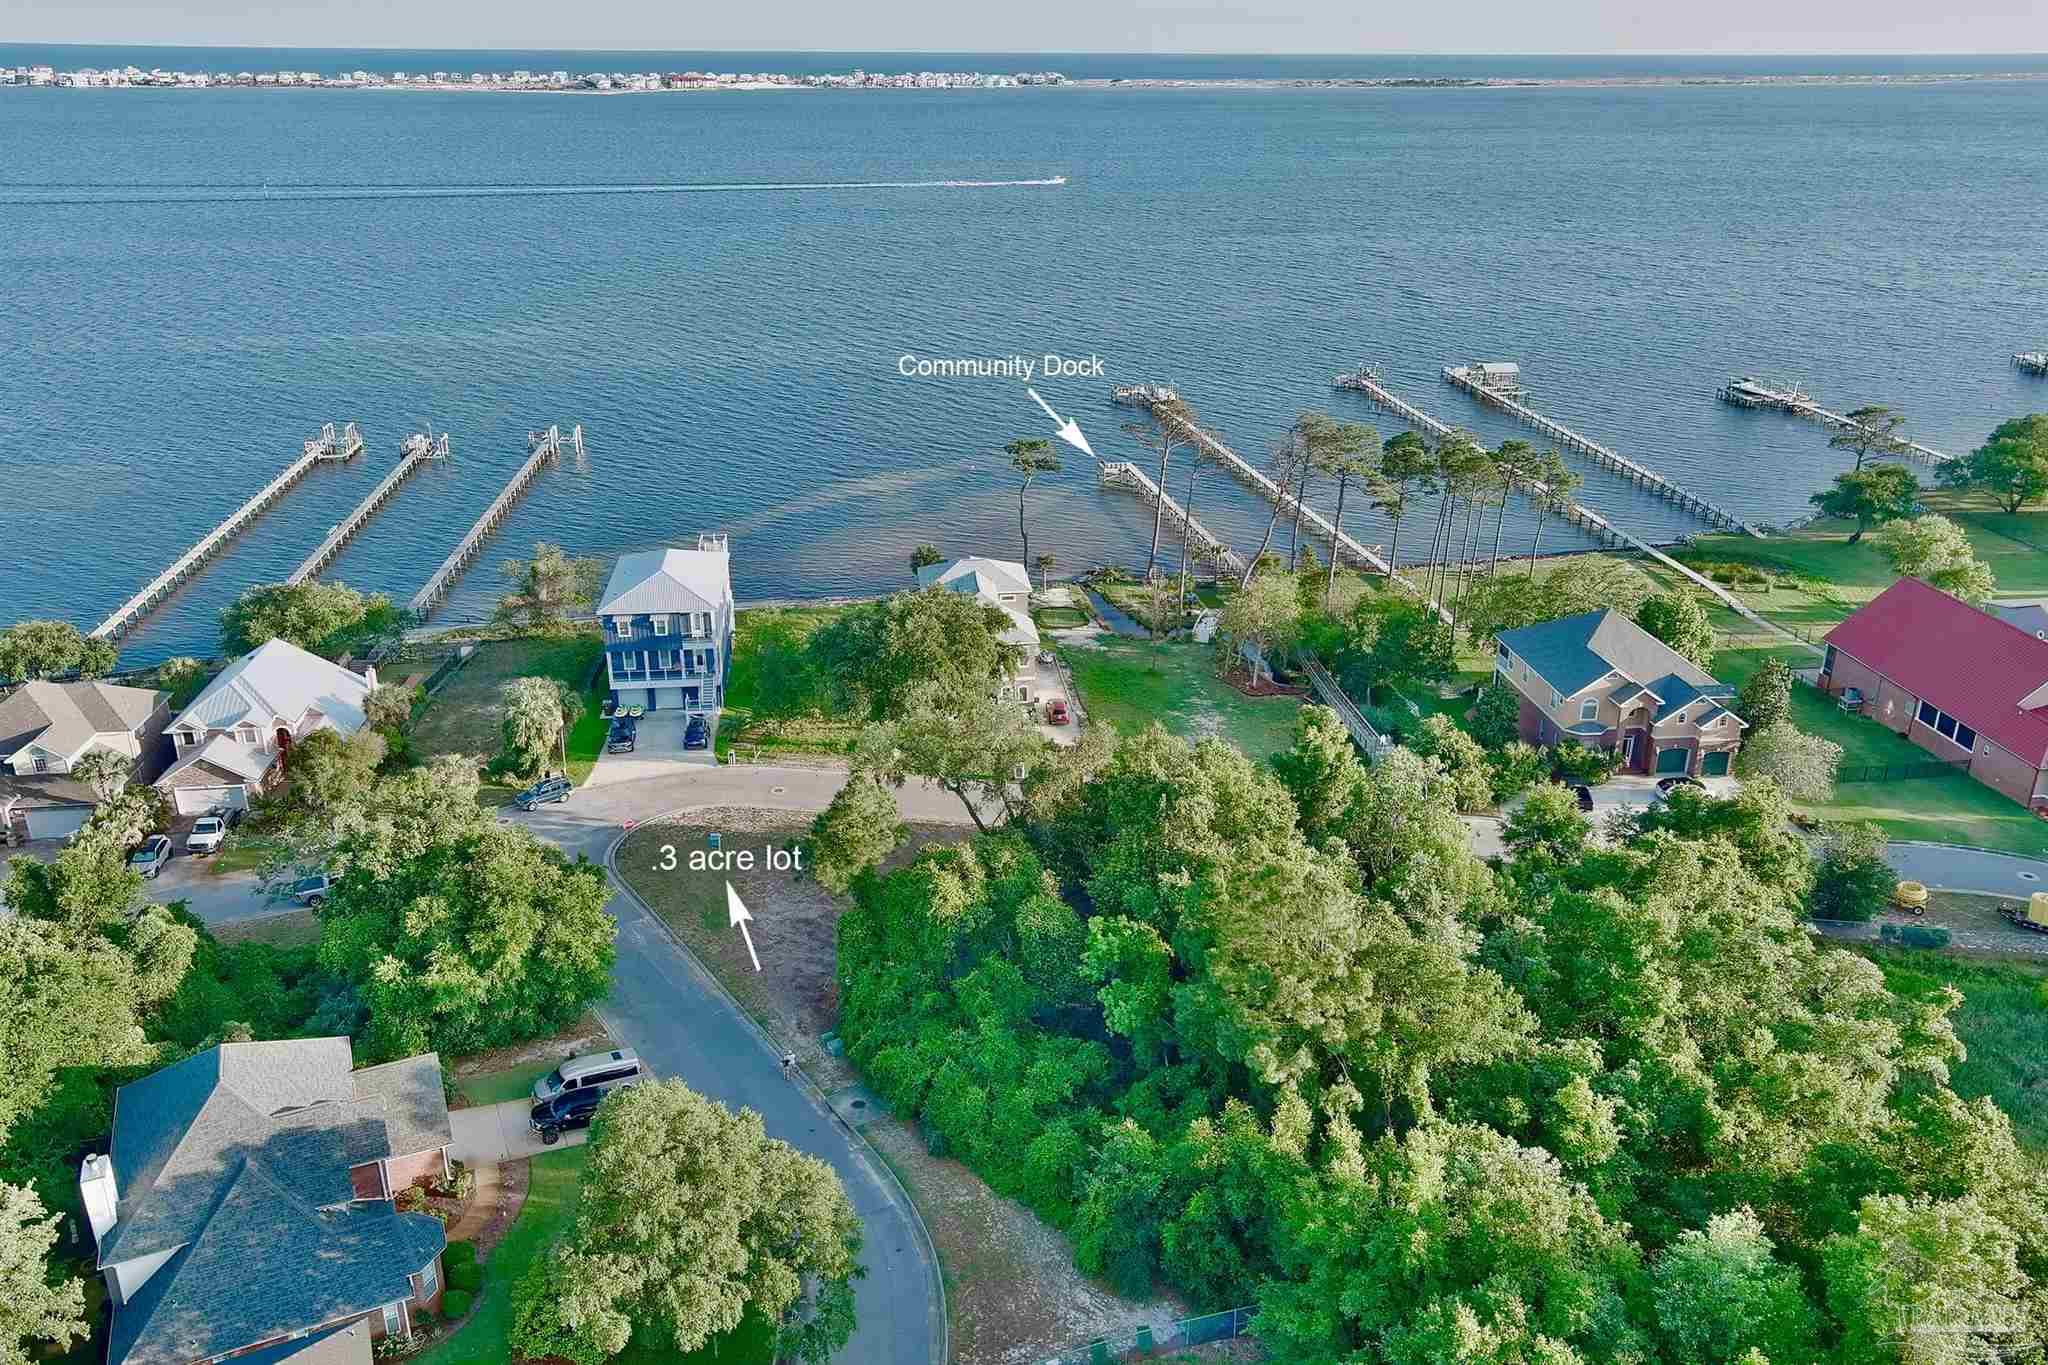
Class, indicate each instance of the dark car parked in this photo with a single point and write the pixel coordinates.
(1667, 783)
(1584, 794)
(622, 737)
(697, 734)
(570, 1109)
(544, 791)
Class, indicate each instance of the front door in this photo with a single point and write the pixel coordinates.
(1628, 751)
(1673, 759)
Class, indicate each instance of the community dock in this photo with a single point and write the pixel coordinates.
(416, 450)
(2033, 362)
(1207, 545)
(1367, 381)
(542, 447)
(330, 446)
(1482, 382)
(1747, 391)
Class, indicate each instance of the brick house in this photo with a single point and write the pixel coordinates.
(245, 1207)
(1602, 680)
(1964, 685)
(229, 744)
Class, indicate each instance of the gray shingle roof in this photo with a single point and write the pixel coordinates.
(63, 716)
(237, 1161)
(345, 1345)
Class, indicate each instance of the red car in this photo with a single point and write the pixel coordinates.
(1056, 712)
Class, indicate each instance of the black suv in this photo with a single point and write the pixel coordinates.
(570, 1109)
(624, 734)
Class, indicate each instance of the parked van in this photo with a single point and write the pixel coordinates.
(597, 1071)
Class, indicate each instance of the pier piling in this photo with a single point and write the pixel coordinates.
(2033, 362)
(414, 452)
(1472, 382)
(1747, 391)
(542, 447)
(332, 445)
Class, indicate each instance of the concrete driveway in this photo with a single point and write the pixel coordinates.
(657, 751)
(487, 1134)
(222, 899)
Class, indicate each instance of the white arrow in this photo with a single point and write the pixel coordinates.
(1070, 432)
(737, 909)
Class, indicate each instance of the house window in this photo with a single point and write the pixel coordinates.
(1555, 701)
(1589, 709)
(1965, 736)
(430, 1282)
(42, 764)
(1928, 714)
(1947, 726)
(703, 623)
(392, 1320)
(661, 625)
(624, 626)
(248, 734)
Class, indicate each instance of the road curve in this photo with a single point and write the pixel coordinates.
(684, 1024)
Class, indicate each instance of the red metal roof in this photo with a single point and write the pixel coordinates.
(1967, 662)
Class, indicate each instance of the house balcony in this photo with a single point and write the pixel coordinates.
(661, 675)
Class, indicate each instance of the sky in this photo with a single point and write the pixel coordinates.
(1286, 26)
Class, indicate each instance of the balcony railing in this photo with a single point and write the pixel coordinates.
(660, 674)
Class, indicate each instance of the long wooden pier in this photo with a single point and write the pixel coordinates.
(2033, 362)
(416, 451)
(331, 445)
(1207, 545)
(542, 446)
(1747, 391)
(1367, 382)
(1463, 377)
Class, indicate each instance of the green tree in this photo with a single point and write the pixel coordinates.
(1406, 467)
(182, 677)
(924, 556)
(1170, 424)
(106, 771)
(38, 1308)
(1935, 549)
(1516, 767)
(1461, 758)
(2012, 466)
(537, 715)
(1497, 716)
(1044, 564)
(1265, 615)
(1870, 497)
(1389, 641)
(1876, 431)
(1926, 1281)
(1321, 772)
(44, 649)
(1722, 1292)
(388, 707)
(1587, 583)
(1853, 881)
(1560, 484)
(961, 739)
(869, 657)
(1547, 822)
(1766, 696)
(315, 616)
(542, 593)
(72, 1001)
(1755, 822)
(1029, 457)
(1343, 451)
(459, 933)
(1680, 621)
(1802, 765)
(691, 1216)
(325, 774)
(860, 828)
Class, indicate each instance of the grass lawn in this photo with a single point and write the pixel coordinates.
(762, 639)
(2003, 1022)
(1952, 808)
(1131, 683)
(1059, 618)
(495, 1087)
(290, 929)
(463, 717)
(552, 1192)
(240, 854)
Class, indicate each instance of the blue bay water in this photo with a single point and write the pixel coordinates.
(732, 356)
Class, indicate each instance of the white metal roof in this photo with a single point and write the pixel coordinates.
(278, 682)
(990, 577)
(661, 581)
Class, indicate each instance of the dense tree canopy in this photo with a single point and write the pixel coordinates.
(1590, 583)
(32, 1308)
(45, 649)
(2011, 466)
(866, 661)
(325, 618)
(1870, 497)
(1679, 620)
(544, 592)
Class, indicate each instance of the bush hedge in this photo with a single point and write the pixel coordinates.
(456, 1302)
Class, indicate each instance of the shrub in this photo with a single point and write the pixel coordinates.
(1580, 764)
(1497, 719)
(455, 1303)
(1914, 935)
(1464, 762)
(1853, 881)
(1515, 767)
(463, 1272)
(458, 1254)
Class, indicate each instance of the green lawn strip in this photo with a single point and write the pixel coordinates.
(2003, 1022)
(1131, 683)
(495, 1087)
(760, 634)
(463, 717)
(287, 929)
(1059, 618)
(240, 854)
(553, 1189)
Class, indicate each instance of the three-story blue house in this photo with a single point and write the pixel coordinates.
(667, 617)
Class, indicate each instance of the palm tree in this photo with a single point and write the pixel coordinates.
(1345, 451)
(1404, 461)
(922, 557)
(1559, 483)
(1030, 456)
(1044, 564)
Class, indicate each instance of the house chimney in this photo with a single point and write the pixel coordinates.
(96, 1186)
(370, 674)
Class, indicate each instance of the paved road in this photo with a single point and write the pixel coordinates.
(683, 1026)
(1948, 868)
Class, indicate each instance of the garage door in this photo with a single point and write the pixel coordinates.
(56, 822)
(1715, 764)
(1673, 760)
(669, 698)
(199, 800)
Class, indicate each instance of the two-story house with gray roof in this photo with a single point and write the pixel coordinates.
(667, 617)
(1602, 680)
(245, 1206)
(48, 728)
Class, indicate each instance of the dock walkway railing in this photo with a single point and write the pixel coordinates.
(1332, 695)
(329, 446)
(415, 456)
(1368, 383)
(1207, 544)
(1641, 475)
(543, 446)
(1754, 393)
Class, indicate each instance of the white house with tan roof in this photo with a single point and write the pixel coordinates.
(228, 745)
(47, 728)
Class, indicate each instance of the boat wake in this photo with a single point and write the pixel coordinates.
(285, 194)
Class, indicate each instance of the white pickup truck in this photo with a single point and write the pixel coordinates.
(207, 833)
